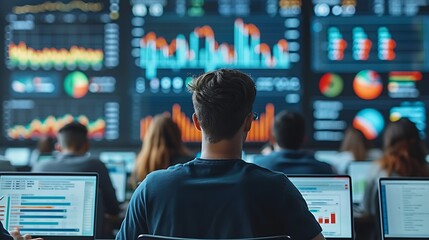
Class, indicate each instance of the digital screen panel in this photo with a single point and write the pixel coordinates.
(369, 63)
(60, 64)
(175, 41)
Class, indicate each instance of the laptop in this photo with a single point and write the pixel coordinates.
(404, 208)
(329, 199)
(18, 157)
(50, 205)
(127, 157)
(118, 176)
(358, 171)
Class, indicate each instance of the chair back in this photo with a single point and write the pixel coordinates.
(157, 237)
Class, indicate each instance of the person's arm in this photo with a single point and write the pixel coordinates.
(304, 225)
(319, 237)
(135, 222)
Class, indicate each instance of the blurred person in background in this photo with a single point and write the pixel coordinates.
(162, 147)
(45, 148)
(404, 156)
(288, 132)
(73, 156)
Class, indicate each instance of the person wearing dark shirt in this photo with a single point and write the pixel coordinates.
(219, 195)
(288, 132)
(73, 156)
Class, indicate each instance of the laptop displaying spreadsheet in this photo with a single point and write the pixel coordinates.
(329, 200)
(50, 205)
(118, 176)
(358, 171)
(404, 208)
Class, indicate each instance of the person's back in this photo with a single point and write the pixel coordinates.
(293, 162)
(288, 132)
(219, 195)
(73, 157)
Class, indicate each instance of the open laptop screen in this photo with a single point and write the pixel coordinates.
(404, 206)
(49, 205)
(358, 171)
(329, 199)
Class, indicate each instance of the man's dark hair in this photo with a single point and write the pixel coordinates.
(73, 136)
(289, 130)
(222, 99)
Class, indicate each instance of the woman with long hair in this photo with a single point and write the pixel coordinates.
(162, 147)
(404, 156)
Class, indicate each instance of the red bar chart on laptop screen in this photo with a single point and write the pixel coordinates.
(53, 205)
(329, 200)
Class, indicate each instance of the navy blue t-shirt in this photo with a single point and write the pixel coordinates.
(218, 199)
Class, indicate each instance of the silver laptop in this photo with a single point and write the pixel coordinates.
(50, 205)
(404, 208)
(329, 199)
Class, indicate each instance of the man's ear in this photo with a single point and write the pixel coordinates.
(196, 122)
(248, 122)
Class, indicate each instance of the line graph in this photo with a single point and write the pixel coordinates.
(59, 7)
(22, 55)
(200, 49)
(50, 126)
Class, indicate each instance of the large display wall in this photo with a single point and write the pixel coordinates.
(114, 64)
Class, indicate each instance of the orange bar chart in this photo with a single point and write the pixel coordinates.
(260, 131)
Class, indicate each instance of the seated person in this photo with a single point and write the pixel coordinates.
(288, 132)
(73, 156)
(219, 195)
(162, 147)
(404, 156)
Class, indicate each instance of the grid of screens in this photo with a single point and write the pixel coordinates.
(113, 65)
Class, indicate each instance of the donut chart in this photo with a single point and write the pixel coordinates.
(331, 85)
(76, 84)
(367, 84)
(370, 122)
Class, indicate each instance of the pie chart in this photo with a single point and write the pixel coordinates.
(370, 122)
(367, 84)
(331, 85)
(76, 84)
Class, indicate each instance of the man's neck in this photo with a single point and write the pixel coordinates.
(224, 149)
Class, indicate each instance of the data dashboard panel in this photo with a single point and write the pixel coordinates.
(61, 63)
(370, 65)
(173, 41)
